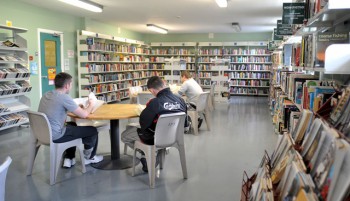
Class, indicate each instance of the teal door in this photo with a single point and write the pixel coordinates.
(50, 51)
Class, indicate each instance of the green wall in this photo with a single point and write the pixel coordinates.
(32, 18)
(218, 37)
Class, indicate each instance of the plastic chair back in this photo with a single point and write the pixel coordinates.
(40, 127)
(169, 129)
(202, 101)
(3, 172)
(143, 98)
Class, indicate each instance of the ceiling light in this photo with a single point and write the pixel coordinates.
(85, 4)
(221, 3)
(157, 28)
(236, 27)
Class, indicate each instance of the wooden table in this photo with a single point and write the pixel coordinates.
(113, 112)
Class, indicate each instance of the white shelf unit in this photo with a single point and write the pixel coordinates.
(173, 68)
(14, 78)
(108, 65)
(249, 70)
(161, 52)
(220, 79)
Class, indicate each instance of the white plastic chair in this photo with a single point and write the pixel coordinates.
(201, 107)
(211, 101)
(42, 135)
(3, 172)
(169, 133)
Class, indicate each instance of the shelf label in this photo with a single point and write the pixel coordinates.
(293, 13)
(89, 41)
(284, 29)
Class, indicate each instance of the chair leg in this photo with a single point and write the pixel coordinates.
(33, 150)
(183, 160)
(125, 149)
(133, 162)
(194, 118)
(207, 118)
(162, 158)
(151, 163)
(82, 158)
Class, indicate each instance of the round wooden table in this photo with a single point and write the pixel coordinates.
(114, 112)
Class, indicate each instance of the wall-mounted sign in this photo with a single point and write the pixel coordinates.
(284, 29)
(275, 36)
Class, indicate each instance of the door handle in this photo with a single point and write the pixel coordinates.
(44, 77)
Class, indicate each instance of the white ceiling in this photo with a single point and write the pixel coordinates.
(180, 16)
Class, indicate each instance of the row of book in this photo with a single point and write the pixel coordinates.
(18, 72)
(245, 90)
(313, 7)
(114, 87)
(311, 163)
(249, 67)
(9, 88)
(12, 58)
(163, 51)
(241, 51)
(207, 74)
(310, 52)
(233, 75)
(118, 48)
(113, 96)
(93, 68)
(252, 83)
(97, 56)
(157, 59)
(188, 59)
(11, 119)
(216, 51)
(245, 59)
(118, 76)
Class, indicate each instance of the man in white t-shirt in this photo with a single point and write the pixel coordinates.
(191, 89)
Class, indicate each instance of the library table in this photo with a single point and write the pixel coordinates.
(113, 112)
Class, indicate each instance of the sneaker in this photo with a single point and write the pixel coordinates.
(68, 163)
(95, 159)
(200, 121)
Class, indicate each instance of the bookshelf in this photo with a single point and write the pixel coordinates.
(249, 70)
(108, 65)
(14, 77)
(167, 59)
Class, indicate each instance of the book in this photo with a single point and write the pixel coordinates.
(326, 39)
(302, 126)
(85, 101)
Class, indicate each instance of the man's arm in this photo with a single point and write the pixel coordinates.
(84, 112)
(147, 116)
(183, 89)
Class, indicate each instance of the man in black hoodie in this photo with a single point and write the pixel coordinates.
(165, 102)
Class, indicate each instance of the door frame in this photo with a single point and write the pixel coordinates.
(39, 53)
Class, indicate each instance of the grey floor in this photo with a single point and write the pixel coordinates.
(241, 131)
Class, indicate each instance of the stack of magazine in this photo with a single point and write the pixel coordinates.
(19, 72)
(9, 88)
(11, 119)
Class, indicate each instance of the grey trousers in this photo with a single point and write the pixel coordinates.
(129, 136)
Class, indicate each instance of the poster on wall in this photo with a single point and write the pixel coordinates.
(51, 74)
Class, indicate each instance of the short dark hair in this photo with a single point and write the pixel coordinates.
(155, 82)
(61, 79)
(186, 74)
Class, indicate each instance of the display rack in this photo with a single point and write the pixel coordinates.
(14, 77)
(108, 65)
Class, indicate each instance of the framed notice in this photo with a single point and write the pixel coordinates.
(275, 36)
(284, 29)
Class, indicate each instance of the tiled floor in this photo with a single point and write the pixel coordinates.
(241, 131)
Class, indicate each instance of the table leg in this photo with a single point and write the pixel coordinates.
(115, 161)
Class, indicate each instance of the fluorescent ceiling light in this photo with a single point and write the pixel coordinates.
(157, 28)
(236, 27)
(85, 4)
(221, 3)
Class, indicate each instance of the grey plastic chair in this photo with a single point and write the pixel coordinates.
(169, 133)
(3, 172)
(41, 135)
(201, 107)
(211, 101)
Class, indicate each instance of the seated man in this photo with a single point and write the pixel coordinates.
(55, 104)
(165, 102)
(192, 90)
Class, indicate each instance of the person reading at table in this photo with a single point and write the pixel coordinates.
(192, 90)
(165, 102)
(55, 104)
